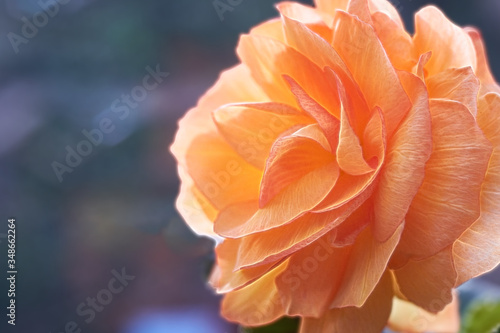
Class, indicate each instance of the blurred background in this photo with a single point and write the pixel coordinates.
(81, 222)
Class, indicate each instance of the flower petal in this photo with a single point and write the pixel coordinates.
(194, 207)
(483, 71)
(404, 169)
(407, 317)
(324, 55)
(368, 260)
(428, 283)
(447, 203)
(269, 59)
(291, 158)
(256, 304)
(308, 16)
(225, 279)
(396, 41)
(330, 6)
(328, 123)
(252, 128)
(234, 85)
(353, 272)
(456, 84)
(298, 198)
(358, 45)
(230, 180)
(384, 6)
(349, 152)
(471, 260)
(450, 45)
(370, 318)
(275, 244)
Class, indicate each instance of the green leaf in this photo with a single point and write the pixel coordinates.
(285, 325)
(482, 317)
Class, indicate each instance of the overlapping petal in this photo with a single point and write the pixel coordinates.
(345, 162)
(370, 318)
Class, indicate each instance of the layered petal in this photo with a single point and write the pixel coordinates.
(404, 168)
(256, 304)
(472, 260)
(358, 45)
(234, 86)
(330, 6)
(270, 246)
(483, 71)
(298, 198)
(269, 60)
(291, 158)
(230, 179)
(349, 151)
(447, 203)
(396, 41)
(370, 318)
(456, 84)
(367, 262)
(313, 19)
(407, 317)
(450, 45)
(428, 283)
(251, 129)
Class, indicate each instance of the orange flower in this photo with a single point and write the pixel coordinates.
(344, 163)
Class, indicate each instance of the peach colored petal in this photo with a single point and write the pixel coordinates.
(256, 304)
(385, 7)
(488, 82)
(370, 318)
(312, 278)
(323, 55)
(422, 61)
(349, 151)
(275, 244)
(234, 85)
(360, 48)
(404, 168)
(360, 9)
(308, 16)
(375, 139)
(230, 178)
(349, 187)
(269, 59)
(456, 84)
(406, 317)
(291, 158)
(428, 283)
(224, 278)
(368, 260)
(352, 271)
(272, 28)
(195, 209)
(447, 203)
(328, 123)
(472, 260)
(330, 6)
(299, 198)
(396, 41)
(450, 45)
(251, 129)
